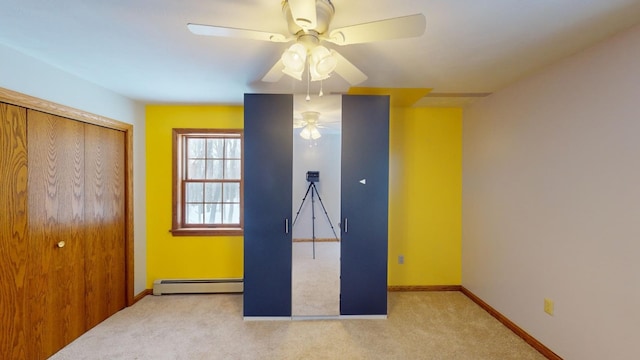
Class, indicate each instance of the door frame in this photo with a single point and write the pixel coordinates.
(30, 102)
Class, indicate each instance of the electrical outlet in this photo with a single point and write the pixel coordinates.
(400, 259)
(548, 306)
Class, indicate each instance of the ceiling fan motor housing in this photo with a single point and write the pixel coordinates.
(324, 14)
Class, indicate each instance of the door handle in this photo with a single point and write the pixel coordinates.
(346, 225)
(286, 226)
(61, 244)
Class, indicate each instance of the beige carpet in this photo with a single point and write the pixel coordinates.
(316, 282)
(421, 325)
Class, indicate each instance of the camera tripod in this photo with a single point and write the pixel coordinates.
(314, 192)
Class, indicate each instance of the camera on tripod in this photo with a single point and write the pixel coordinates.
(313, 176)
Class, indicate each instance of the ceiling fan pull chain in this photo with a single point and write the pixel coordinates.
(321, 93)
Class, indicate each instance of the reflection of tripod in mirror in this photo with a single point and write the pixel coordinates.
(314, 192)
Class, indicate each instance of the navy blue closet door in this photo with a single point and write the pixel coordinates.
(364, 205)
(268, 157)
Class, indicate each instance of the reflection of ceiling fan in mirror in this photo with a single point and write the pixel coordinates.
(309, 22)
(309, 123)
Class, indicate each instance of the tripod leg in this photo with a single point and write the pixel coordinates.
(300, 208)
(325, 210)
(313, 222)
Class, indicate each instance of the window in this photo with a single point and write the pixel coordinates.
(207, 182)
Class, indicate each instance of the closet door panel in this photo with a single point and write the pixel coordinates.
(55, 275)
(364, 205)
(104, 220)
(268, 151)
(13, 230)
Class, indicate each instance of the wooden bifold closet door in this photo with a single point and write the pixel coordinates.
(13, 230)
(55, 272)
(104, 223)
(76, 268)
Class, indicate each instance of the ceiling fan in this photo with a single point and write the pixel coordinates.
(309, 122)
(309, 25)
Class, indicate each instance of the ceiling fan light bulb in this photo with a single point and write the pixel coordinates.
(315, 134)
(315, 74)
(295, 57)
(305, 133)
(323, 62)
(320, 51)
(326, 65)
(294, 74)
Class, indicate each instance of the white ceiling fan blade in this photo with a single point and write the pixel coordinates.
(304, 13)
(347, 70)
(275, 73)
(396, 28)
(221, 31)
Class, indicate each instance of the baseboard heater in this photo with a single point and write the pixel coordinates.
(197, 286)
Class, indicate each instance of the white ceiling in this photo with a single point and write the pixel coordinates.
(143, 50)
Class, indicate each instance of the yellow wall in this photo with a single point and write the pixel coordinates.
(425, 196)
(424, 205)
(170, 257)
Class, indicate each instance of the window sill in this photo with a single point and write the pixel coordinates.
(206, 232)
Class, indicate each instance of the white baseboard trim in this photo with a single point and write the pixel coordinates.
(197, 286)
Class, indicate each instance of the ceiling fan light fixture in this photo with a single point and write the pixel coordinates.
(322, 63)
(295, 57)
(294, 74)
(310, 132)
(315, 134)
(305, 133)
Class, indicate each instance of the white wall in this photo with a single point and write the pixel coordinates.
(551, 201)
(321, 155)
(27, 75)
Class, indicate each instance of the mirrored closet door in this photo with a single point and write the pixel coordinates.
(316, 206)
